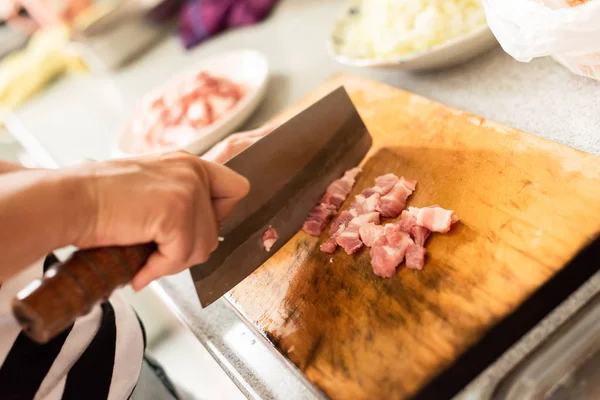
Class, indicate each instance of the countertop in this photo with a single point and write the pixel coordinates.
(539, 97)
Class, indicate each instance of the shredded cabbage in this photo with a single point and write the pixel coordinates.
(388, 28)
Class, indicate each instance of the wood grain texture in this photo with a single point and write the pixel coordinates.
(526, 205)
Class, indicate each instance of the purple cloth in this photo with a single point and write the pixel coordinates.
(201, 19)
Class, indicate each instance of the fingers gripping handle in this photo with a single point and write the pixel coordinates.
(48, 306)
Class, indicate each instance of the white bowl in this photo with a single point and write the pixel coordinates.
(246, 67)
(447, 54)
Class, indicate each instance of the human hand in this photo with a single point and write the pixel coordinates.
(175, 200)
(236, 143)
(6, 167)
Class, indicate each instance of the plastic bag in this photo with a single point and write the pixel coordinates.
(566, 30)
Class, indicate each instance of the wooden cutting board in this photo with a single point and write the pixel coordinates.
(526, 206)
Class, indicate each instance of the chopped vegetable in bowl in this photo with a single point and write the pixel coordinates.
(380, 29)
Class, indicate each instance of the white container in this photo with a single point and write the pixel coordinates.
(566, 30)
(246, 67)
(443, 55)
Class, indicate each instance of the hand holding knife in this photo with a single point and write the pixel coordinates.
(288, 171)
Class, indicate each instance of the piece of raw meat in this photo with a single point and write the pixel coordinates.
(343, 219)
(363, 205)
(409, 225)
(392, 204)
(434, 218)
(184, 110)
(383, 185)
(415, 256)
(388, 251)
(318, 218)
(370, 233)
(360, 206)
(385, 257)
(330, 244)
(338, 190)
(269, 238)
(349, 238)
(335, 195)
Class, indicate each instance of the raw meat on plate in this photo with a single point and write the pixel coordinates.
(173, 118)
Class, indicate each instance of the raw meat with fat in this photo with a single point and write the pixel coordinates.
(392, 204)
(370, 233)
(269, 238)
(389, 251)
(318, 219)
(409, 225)
(390, 244)
(339, 189)
(383, 185)
(336, 193)
(415, 256)
(364, 204)
(349, 238)
(434, 218)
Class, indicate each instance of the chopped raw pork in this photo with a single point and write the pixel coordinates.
(415, 256)
(364, 204)
(388, 252)
(338, 190)
(343, 219)
(392, 243)
(383, 185)
(318, 219)
(370, 233)
(434, 218)
(409, 225)
(269, 238)
(385, 259)
(337, 227)
(392, 204)
(349, 239)
(328, 246)
(420, 234)
(334, 196)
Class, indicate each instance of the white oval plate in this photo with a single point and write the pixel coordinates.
(246, 67)
(447, 54)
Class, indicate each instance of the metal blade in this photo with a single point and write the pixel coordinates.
(289, 170)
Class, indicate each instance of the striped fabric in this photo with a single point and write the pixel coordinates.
(99, 357)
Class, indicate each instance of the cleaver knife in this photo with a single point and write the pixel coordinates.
(289, 170)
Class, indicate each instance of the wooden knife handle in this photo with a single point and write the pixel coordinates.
(48, 306)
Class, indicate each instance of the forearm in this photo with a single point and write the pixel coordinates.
(39, 212)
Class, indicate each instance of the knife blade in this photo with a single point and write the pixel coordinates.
(289, 170)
